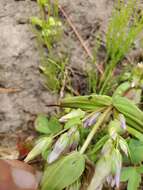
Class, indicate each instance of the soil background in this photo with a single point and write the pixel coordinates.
(19, 58)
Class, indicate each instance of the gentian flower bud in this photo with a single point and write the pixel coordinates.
(42, 144)
(91, 120)
(59, 147)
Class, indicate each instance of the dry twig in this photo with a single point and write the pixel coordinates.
(79, 37)
(8, 90)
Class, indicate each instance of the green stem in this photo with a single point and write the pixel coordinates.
(106, 77)
(64, 130)
(105, 84)
(95, 128)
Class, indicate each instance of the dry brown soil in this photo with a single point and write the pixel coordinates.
(19, 58)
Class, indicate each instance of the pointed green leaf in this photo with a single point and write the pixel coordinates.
(64, 172)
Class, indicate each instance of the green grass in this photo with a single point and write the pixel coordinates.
(124, 27)
(48, 30)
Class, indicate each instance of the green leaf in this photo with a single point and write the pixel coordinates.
(75, 186)
(134, 181)
(54, 125)
(136, 151)
(43, 2)
(36, 21)
(64, 172)
(131, 175)
(72, 122)
(140, 169)
(42, 124)
(125, 174)
(135, 133)
(73, 114)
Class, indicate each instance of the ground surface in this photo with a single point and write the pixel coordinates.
(19, 57)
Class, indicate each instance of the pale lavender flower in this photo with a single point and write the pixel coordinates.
(91, 120)
(61, 144)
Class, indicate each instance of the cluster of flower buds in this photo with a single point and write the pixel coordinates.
(66, 142)
(108, 167)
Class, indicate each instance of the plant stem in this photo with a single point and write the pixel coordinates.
(106, 77)
(95, 128)
(64, 130)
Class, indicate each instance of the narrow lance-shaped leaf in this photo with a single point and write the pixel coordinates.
(92, 102)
